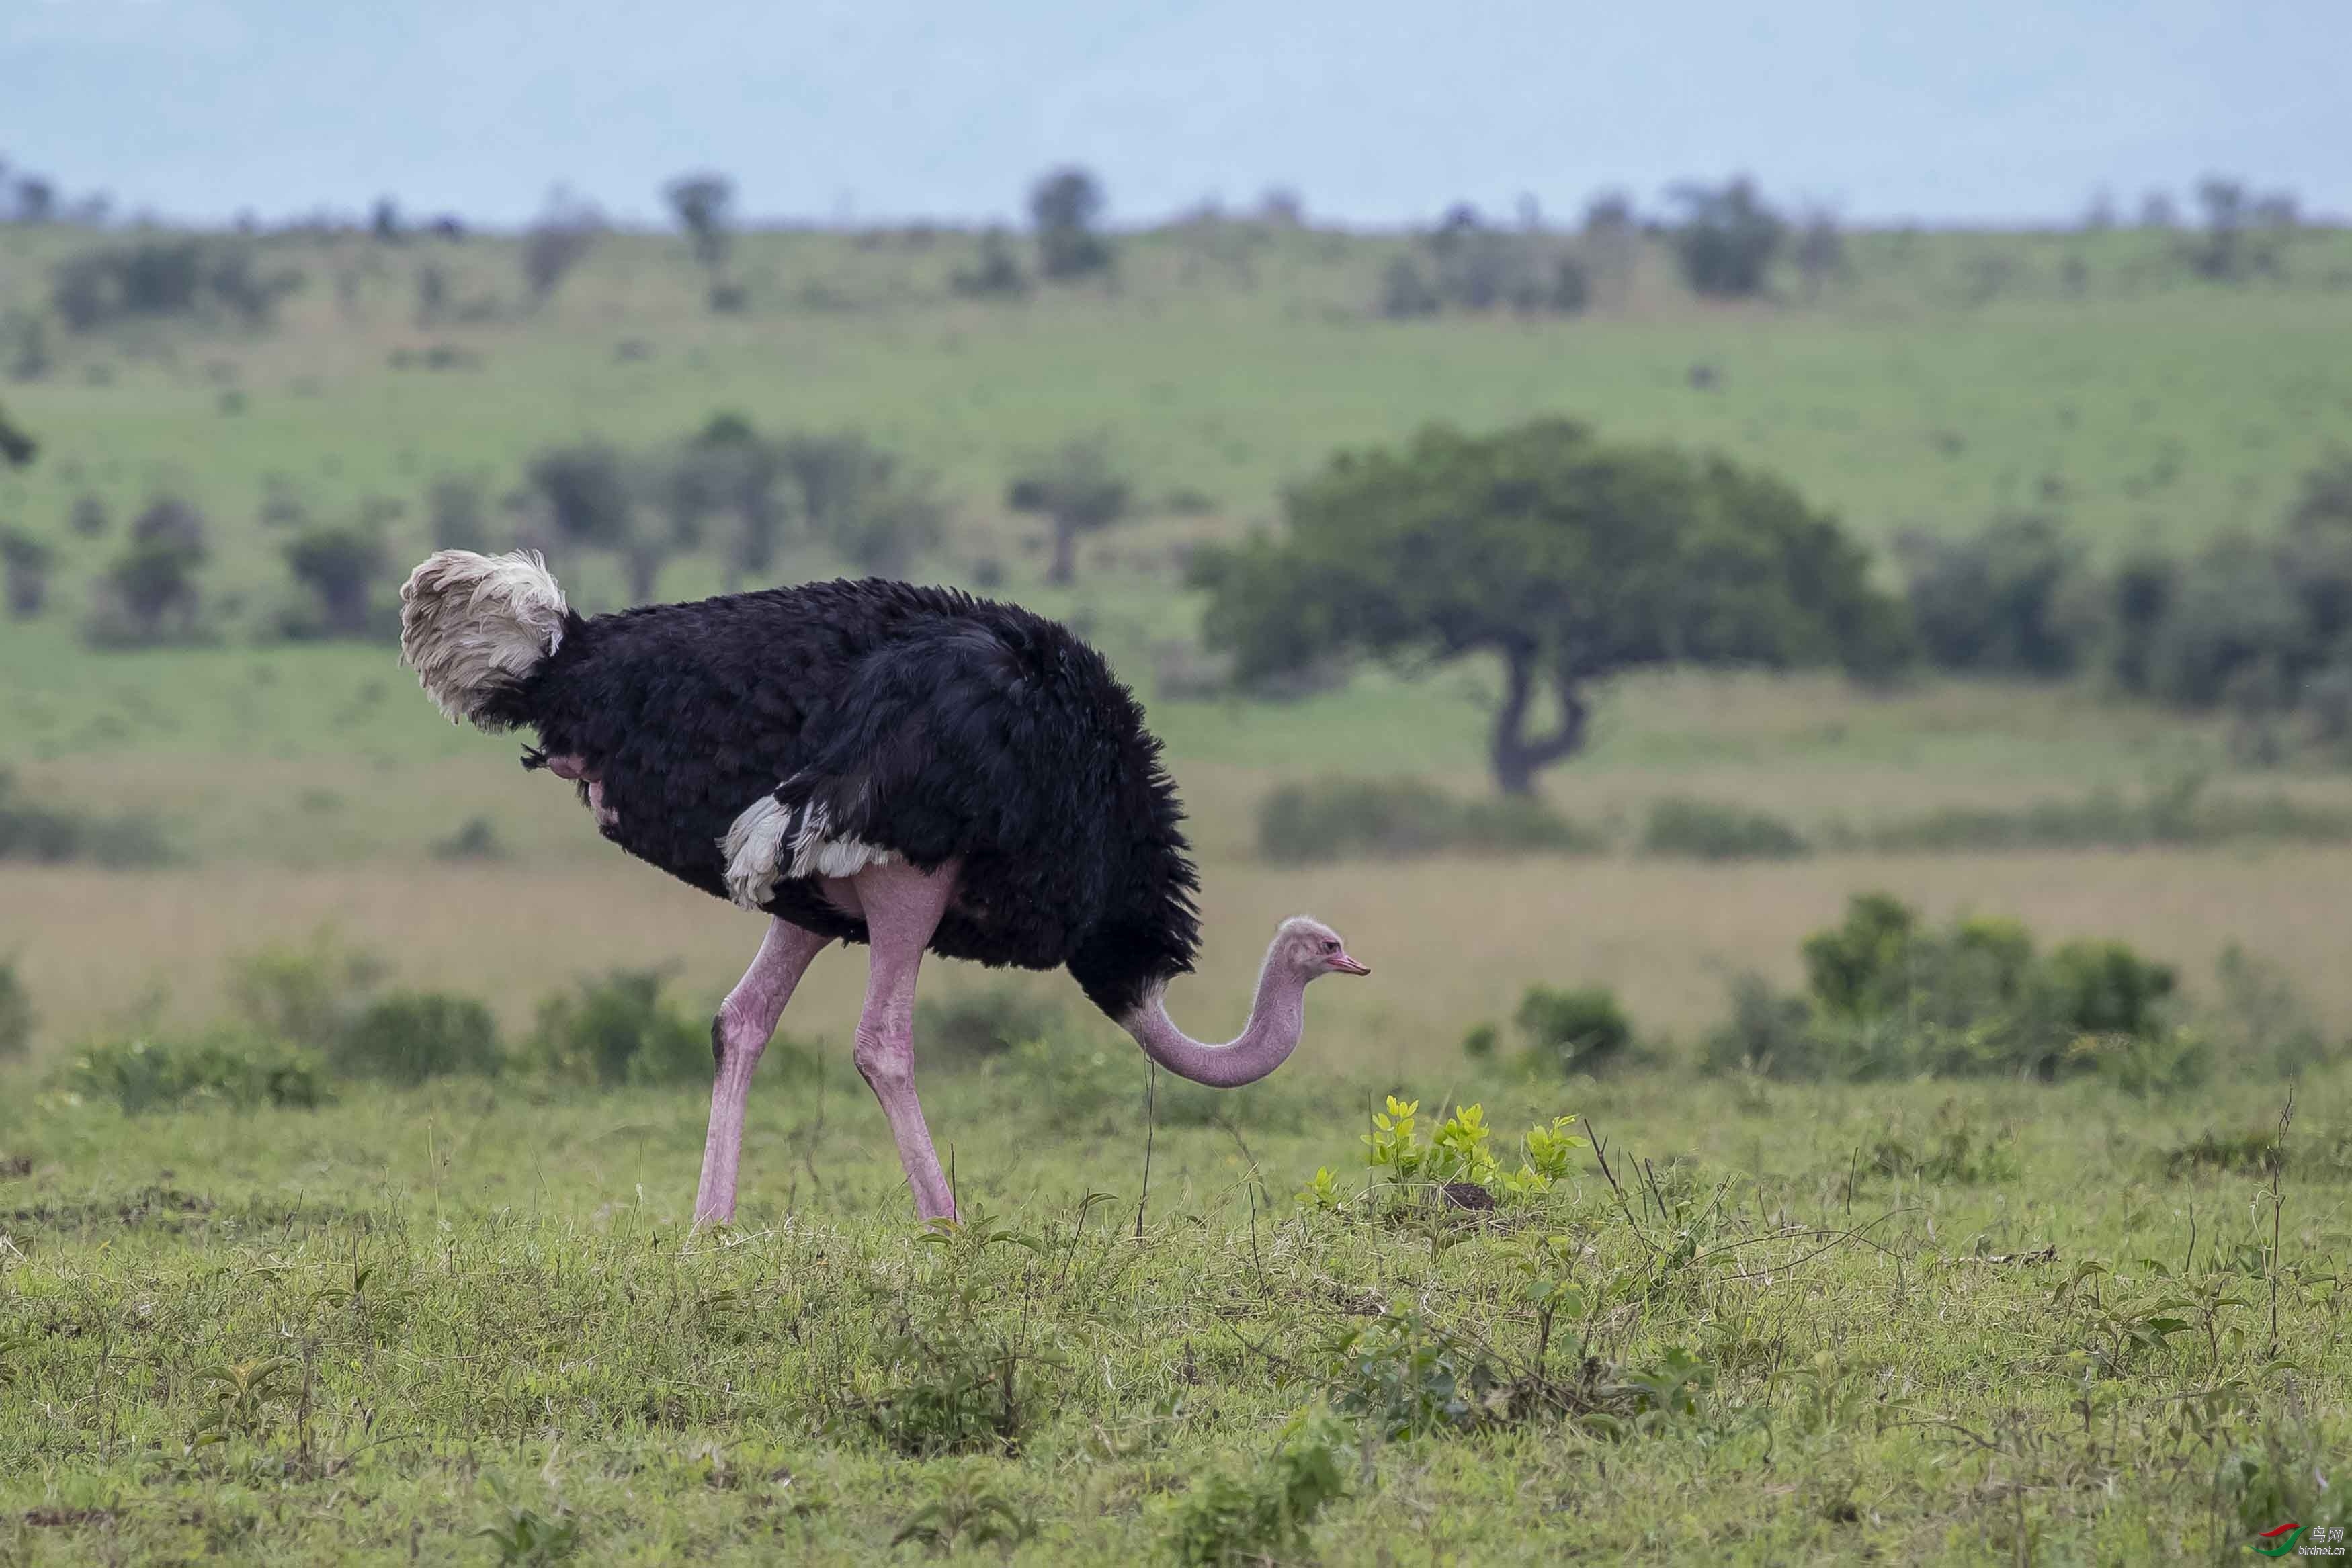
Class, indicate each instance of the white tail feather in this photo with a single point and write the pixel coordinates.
(472, 623)
(754, 848)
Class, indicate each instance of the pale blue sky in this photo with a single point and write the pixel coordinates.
(1375, 111)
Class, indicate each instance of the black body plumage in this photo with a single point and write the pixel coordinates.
(920, 720)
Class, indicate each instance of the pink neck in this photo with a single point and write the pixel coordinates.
(1276, 1020)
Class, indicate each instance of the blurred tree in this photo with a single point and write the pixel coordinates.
(1567, 558)
(860, 500)
(1064, 206)
(1726, 239)
(1079, 490)
(339, 566)
(17, 448)
(384, 222)
(997, 272)
(26, 560)
(590, 490)
(558, 242)
(168, 277)
(1820, 252)
(705, 207)
(149, 593)
(2008, 601)
(728, 469)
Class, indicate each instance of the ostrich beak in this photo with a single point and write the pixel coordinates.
(1346, 966)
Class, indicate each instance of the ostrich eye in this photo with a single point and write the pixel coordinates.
(1330, 945)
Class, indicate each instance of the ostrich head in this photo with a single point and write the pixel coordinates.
(1305, 948)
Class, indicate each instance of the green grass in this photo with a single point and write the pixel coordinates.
(375, 1331)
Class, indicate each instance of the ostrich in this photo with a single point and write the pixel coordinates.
(909, 768)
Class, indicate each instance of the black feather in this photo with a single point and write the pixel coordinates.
(922, 720)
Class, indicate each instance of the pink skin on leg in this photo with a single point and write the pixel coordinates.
(902, 907)
(739, 1037)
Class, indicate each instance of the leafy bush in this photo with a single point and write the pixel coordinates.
(2257, 1019)
(476, 838)
(618, 1029)
(1702, 830)
(2008, 601)
(1228, 1520)
(980, 1024)
(411, 1036)
(1457, 1165)
(16, 1015)
(229, 1066)
(1334, 818)
(337, 566)
(1887, 998)
(2104, 988)
(309, 994)
(1573, 1030)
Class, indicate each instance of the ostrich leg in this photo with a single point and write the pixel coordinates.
(903, 906)
(739, 1037)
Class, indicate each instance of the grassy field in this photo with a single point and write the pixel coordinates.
(1995, 1321)
(1970, 1324)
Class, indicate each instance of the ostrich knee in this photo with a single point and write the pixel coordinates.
(886, 1064)
(738, 1036)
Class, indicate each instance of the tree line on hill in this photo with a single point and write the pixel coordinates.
(1726, 239)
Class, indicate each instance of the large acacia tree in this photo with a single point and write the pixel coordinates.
(1568, 558)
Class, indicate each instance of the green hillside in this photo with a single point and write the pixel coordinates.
(1941, 379)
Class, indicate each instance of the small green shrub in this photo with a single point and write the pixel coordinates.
(1227, 1520)
(411, 1036)
(2257, 1153)
(1339, 818)
(226, 1065)
(2104, 988)
(477, 838)
(1702, 830)
(16, 1015)
(1410, 1378)
(1573, 1030)
(307, 995)
(964, 1371)
(1953, 1153)
(1888, 997)
(2259, 1021)
(1456, 1165)
(967, 1510)
(977, 1025)
(1768, 1032)
(617, 1028)
(1480, 1041)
